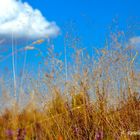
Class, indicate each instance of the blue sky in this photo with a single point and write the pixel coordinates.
(91, 16)
(91, 19)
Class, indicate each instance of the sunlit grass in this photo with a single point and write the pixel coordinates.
(85, 99)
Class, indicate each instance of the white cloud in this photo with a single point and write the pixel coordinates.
(23, 21)
(135, 41)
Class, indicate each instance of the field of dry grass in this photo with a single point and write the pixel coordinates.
(86, 99)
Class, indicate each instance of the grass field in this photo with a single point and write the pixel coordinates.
(89, 98)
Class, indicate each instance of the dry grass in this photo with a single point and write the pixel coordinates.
(98, 99)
